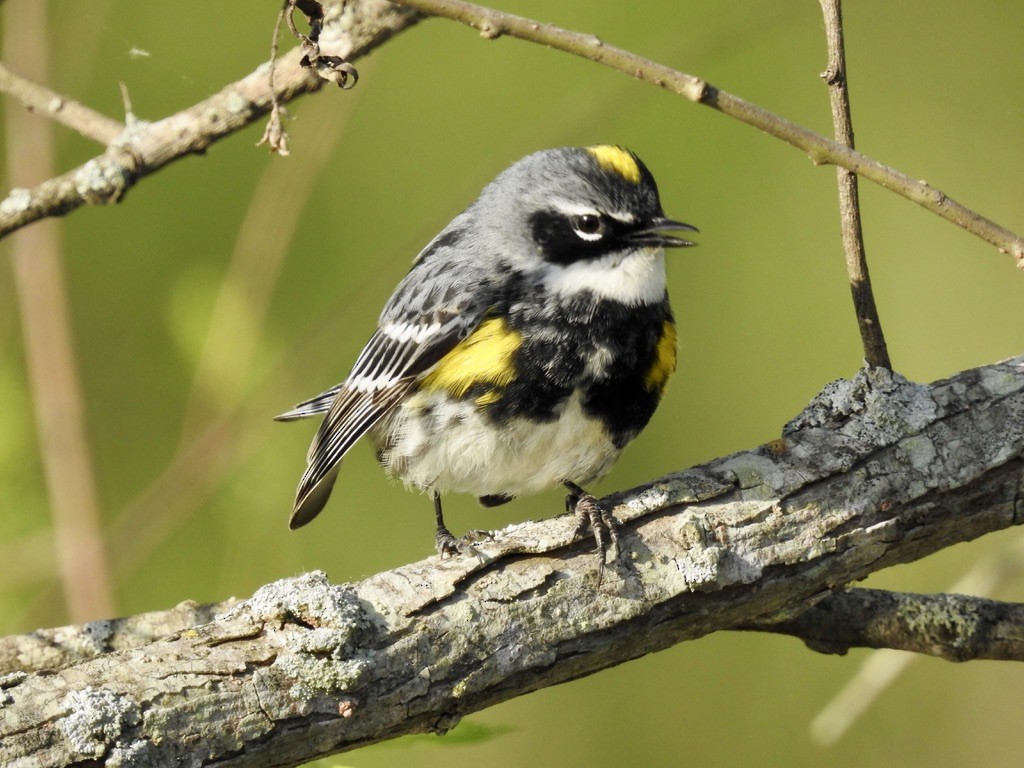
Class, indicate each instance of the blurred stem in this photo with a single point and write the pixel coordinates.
(46, 327)
(493, 24)
(875, 351)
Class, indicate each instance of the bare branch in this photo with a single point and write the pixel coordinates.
(875, 352)
(953, 627)
(364, 24)
(877, 471)
(350, 31)
(493, 24)
(65, 111)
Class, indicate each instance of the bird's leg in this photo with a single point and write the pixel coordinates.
(445, 541)
(592, 515)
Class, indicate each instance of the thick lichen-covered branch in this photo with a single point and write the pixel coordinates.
(876, 471)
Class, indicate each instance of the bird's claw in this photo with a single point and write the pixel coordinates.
(448, 544)
(590, 514)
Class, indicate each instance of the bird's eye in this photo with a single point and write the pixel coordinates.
(588, 226)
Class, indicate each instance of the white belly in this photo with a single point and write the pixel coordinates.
(434, 443)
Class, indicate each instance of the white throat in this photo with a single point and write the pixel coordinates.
(634, 277)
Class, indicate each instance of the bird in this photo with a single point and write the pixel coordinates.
(530, 341)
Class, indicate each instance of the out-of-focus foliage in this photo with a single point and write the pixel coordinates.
(763, 308)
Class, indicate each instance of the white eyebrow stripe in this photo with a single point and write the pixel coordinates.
(574, 209)
(626, 217)
(570, 208)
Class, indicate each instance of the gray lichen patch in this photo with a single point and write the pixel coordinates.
(715, 567)
(311, 675)
(96, 720)
(136, 754)
(311, 600)
(318, 664)
(315, 676)
(236, 103)
(88, 640)
(101, 180)
(759, 477)
(17, 201)
(920, 452)
(888, 405)
(1000, 380)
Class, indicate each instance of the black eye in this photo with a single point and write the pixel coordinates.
(588, 226)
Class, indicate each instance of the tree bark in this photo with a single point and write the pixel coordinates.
(876, 471)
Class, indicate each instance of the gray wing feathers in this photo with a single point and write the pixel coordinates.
(431, 310)
(312, 407)
(351, 415)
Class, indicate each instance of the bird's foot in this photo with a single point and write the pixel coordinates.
(448, 544)
(590, 514)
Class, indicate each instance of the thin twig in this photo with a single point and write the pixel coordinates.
(275, 135)
(875, 352)
(493, 24)
(67, 112)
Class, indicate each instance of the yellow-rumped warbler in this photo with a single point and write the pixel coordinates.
(529, 342)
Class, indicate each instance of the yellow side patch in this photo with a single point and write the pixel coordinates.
(617, 160)
(482, 358)
(489, 397)
(664, 364)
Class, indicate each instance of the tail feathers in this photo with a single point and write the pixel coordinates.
(313, 500)
(312, 407)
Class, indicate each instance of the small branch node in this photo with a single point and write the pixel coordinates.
(832, 76)
(126, 100)
(701, 90)
(489, 31)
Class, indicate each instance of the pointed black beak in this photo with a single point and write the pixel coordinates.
(653, 234)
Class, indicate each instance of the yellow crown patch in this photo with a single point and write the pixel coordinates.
(617, 160)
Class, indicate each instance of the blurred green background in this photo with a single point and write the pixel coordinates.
(225, 288)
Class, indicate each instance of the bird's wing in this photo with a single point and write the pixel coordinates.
(429, 313)
(312, 407)
(417, 328)
(396, 355)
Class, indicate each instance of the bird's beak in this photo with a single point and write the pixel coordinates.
(653, 234)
